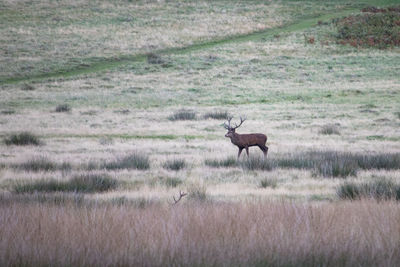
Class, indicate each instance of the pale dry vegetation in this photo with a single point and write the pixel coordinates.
(225, 234)
(94, 185)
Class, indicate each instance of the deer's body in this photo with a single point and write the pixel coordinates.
(244, 141)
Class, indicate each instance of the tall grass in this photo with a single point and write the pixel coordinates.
(183, 114)
(362, 233)
(22, 139)
(381, 189)
(325, 163)
(175, 164)
(85, 183)
(131, 161)
(42, 164)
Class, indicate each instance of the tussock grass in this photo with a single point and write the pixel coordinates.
(42, 164)
(63, 108)
(329, 129)
(22, 139)
(27, 87)
(257, 163)
(154, 59)
(380, 189)
(8, 112)
(172, 181)
(268, 182)
(217, 163)
(183, 114)
(132, 161)
(84, 183)
(175, 164)
(197, 192)
(217, 115)
(201, 234)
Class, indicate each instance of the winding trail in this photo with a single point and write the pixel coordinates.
(110, 63)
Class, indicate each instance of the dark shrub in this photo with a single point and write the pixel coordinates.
(7, 111)
(183, 114)
(132, 161)
(374, 29)
(63, 108)
(175, 165)
(22, 139)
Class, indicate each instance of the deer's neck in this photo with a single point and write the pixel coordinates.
(235, 139)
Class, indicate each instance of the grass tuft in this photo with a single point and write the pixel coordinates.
(183, 114)
(172, 182)
(132, 161)
(42, 164)
(63, 108)
(27, 87)
(217, 163)
(217, 115)
(257, 163)
(269, 182)
(22, 139)
(84, 183)
(383, 189)
(329, 129)
(197, 192)
(175, 165)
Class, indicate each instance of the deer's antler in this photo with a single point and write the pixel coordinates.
(241, 121)
(181, 195)
(228, 126)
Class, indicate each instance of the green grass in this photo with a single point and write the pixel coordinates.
(217, 163)
(183, 115)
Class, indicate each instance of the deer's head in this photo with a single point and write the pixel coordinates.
(232, 129)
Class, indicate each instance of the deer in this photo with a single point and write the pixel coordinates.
(245, 140)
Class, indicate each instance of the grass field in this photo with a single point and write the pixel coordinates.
(113, 107)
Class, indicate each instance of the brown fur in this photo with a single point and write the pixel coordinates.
(248, 140)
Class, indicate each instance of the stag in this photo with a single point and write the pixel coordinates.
(245, 140)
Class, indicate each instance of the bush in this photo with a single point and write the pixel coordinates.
(132, 161)
(217, 115)
(63, 108)
(183, 114)
(329, 129)
(175, 165)
(374, 29)
(85, 183)
(383, 189)
(217, 163)
(22, 139)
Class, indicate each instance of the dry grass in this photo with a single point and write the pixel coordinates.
(238, 234)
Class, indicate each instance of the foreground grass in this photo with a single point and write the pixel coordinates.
(200, 233)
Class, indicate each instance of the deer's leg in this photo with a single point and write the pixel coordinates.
(247, 151)
(240, 151)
